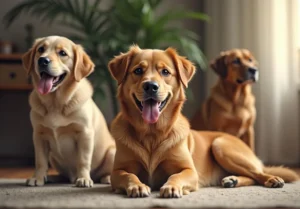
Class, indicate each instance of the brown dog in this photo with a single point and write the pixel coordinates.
(230, 107)
(68, 128)
(155, 146)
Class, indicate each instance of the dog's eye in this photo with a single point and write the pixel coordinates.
(62, 53)
(41, 49)
(250, 60)
(237, 61)
(165, 72)
(138, 71)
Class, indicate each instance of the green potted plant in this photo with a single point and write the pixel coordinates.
(105, 33)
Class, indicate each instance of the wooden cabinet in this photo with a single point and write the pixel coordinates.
(12, 73)
(16, 147)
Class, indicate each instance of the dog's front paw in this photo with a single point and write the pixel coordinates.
(274, 182)
(105, 179)
(138, 190)
(171, 191)
(84, 182)
(34, 181)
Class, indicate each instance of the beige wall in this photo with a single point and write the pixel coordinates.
(16, 32)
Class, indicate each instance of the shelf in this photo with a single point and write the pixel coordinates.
(16, 87)
(15, 56)
(13, 59)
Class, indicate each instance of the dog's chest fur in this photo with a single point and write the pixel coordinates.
(148, 151)
(151, 157)
(153, 174)
(55, 120)
(59, 130)
(151, 151)
(149, 147)
(237, 116)
(61, 134)
(242, 116)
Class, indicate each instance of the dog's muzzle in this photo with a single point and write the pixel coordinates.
(48, 81)
(252, 74)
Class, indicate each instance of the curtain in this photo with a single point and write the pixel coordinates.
(270, 29)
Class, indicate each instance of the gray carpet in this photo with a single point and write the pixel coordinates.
(13, 194)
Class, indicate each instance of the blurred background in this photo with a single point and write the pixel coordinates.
(199, 29)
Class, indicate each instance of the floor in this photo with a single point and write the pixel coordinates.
(23, 173)
(15, 195)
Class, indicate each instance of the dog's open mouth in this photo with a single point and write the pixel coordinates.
(151, 108)
(48, 82)
(250, 80)
(240, 81)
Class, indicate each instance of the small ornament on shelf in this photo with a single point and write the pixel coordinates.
(6, 47)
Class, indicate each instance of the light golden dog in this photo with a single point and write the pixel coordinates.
(155, 146)
(230, 107)
(68, 128)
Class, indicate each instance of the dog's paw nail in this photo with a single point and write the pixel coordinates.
(171, 191)
(105, 180)
(138, 190)
(84, 182)
(274, 182)
(36, 181)
(229, 182)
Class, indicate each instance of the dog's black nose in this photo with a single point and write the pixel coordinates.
(44, 61)
(151, 87)
(252, 70)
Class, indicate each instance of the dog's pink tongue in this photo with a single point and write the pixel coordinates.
(45, 84)
(150, 112)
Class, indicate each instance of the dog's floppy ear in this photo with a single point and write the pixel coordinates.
(83, 65)
(28, 57)
(219, 65)
(119, 65)
(184, 67)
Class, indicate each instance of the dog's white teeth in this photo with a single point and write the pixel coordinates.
(142, 103)
(55, 79)
(159, 103)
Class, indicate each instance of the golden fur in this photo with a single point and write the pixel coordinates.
(166, 154)
(68, 128)
(230, 107)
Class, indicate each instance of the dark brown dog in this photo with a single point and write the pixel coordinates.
(230, 107)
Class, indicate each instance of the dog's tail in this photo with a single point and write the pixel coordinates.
(286, 174)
